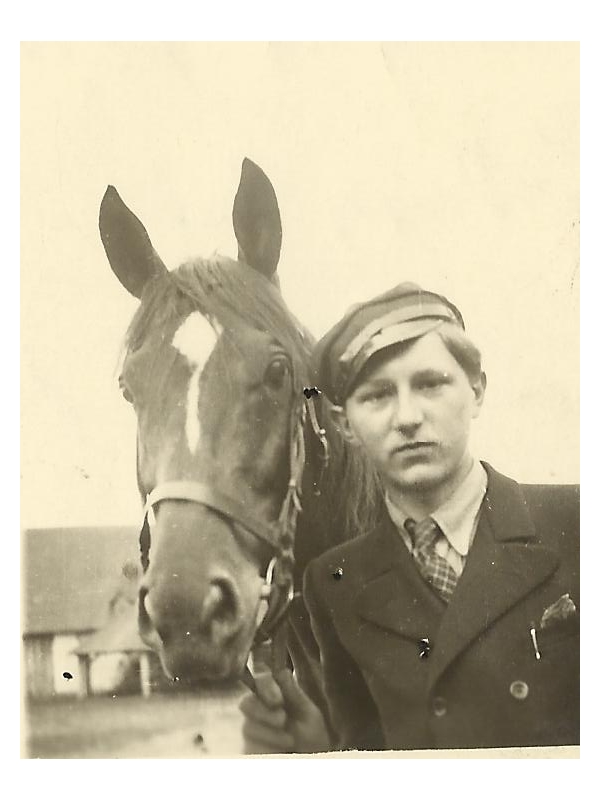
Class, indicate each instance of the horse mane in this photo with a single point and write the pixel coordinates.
(348, 500)
(342, 501)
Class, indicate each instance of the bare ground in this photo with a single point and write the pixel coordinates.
(160, 726)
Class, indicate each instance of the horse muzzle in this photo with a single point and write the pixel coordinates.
(204, 641)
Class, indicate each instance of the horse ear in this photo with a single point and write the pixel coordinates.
(256, 220)
(128, 247)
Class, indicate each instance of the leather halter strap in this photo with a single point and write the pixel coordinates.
(279, 535)
(278, 586)
(218, 501)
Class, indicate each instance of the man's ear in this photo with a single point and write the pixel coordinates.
(342, 423)
(479, 388)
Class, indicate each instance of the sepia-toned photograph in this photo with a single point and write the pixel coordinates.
(299, 399)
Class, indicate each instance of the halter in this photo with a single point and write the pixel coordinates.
(278, 587)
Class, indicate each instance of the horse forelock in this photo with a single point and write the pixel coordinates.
(221, 289)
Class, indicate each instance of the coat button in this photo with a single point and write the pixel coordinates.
(519, 690)
(439, 706)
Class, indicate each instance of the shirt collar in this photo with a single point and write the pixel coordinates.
(457, 516)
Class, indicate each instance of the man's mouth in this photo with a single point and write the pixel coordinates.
(413, 447)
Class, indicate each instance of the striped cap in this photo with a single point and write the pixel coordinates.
(402, 313)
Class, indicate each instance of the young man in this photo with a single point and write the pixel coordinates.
(454, 623)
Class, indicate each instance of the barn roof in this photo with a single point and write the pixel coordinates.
(70, 576)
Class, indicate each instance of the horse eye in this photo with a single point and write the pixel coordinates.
(276, 373)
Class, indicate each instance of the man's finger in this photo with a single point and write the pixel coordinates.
(247, 702)
(268, 691)
(259, 736)
(294, 699)
(255, 709)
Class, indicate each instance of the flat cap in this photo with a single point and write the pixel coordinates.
(402, 313)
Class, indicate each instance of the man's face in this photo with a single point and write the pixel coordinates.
(411, 413)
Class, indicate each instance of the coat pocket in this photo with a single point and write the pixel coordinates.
(559, 634)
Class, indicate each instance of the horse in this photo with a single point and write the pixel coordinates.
(242, 477)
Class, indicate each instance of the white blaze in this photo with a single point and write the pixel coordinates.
(195, 339)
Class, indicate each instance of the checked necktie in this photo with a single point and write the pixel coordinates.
(435, 569)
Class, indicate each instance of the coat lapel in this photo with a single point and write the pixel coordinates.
(394, 596)
(505, 563)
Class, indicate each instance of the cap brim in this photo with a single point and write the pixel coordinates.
(395, 334)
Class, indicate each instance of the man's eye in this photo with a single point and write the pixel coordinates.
(433, 383)
(375, 395)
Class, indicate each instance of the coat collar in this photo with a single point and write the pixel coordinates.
(394, 596)
(456, 517)
(505, 563)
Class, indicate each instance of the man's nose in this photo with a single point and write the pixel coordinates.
(408, 413)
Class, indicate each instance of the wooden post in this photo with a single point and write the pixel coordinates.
(145, 685)
(84, 675)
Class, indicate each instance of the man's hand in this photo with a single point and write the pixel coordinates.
(281, 718)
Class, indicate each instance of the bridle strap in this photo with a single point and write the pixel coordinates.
(218, 501)
(279, 535)
(281, 584)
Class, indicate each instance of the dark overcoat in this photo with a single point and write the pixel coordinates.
(478, 683)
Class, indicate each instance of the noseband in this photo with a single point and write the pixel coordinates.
(279, 536)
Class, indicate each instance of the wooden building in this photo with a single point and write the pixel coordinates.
(79, 610)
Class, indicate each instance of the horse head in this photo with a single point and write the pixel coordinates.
(214, 367)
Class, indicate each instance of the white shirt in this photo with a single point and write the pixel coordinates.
(457, 518)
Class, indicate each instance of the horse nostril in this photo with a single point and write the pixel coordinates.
(220, 601)
(146, 623)
(221, 608)
(215, 615)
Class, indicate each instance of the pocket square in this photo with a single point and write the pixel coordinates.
(562, 609)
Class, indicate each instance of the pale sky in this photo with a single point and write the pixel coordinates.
(452, 165)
